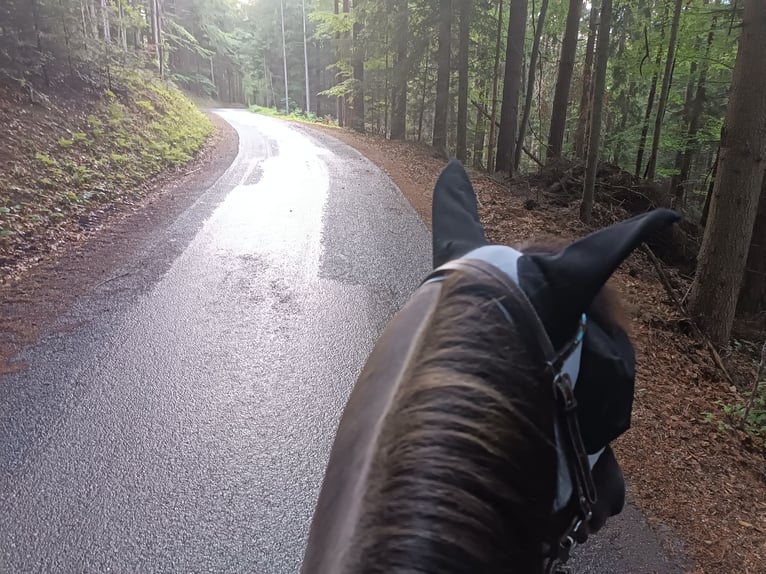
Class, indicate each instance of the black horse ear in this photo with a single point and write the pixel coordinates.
(455, 216)
(562, 285)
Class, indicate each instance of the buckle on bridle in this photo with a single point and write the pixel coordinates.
(583, 486)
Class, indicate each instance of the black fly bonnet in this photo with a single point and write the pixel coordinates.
(591, 367)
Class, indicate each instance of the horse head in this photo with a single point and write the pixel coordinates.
(477, 436)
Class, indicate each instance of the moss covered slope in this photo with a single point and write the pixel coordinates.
(71, 155)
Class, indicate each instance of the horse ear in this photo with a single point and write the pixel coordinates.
(563, 285)
(455, 216)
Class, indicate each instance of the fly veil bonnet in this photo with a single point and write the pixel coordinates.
(591, 366)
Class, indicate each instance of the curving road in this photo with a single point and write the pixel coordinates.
(181, 421)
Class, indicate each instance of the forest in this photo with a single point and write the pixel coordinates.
(665, 92)
(570, 114)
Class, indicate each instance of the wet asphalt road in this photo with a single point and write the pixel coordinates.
(182, 420)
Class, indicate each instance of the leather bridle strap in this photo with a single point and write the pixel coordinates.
(519, 308)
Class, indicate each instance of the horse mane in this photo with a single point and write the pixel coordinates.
(464, 473)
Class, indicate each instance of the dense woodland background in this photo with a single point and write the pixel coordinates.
(505, 85)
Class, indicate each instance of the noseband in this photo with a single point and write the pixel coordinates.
(519, 309)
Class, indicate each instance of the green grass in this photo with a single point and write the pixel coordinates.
(295, 115)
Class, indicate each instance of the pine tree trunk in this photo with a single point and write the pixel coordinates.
(530, 85)
(514, 56)
(650, 99)
(645, 127)
(625, 99)
(385, 84)
(564, 80)
(737, 188)
(479, 128)
(462, 89)
(105, 21)
(401, 71)
(669, 63)
(441, 108)
(694, 116)
(581, 134)
(422, 109)
(599, 84)
(357, 98)
(752, 297)
(495, 76)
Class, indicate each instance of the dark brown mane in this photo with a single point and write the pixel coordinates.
(464, 473)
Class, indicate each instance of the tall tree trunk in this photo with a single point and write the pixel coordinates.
(305, 57)
(564, 80)
(599, 84)
(357, 97)
(625, 97)
(752, 296)
(105, 21)
(678, 184)
(123, 33)
(67, 39)
(514, 56)
(495, 75)
(462, 82)
(39, 40)
(422, 110)
(92, 18)
(669, 63)
(479, 128)
(401, 71)
(581, 133)
(530, 85)
(157, 35)
(346, 57)
(338, 56)
(441, 107)
(733, 208)
(652, 93)
(284, 58)
(386, 82)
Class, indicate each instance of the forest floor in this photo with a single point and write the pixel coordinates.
(687, 468)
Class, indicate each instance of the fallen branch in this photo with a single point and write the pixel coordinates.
(105, 281)
(531, 156)
(485, 113)
(665, 280)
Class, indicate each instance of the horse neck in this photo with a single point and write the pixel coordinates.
(463, 475)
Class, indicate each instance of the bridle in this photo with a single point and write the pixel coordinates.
(518, 309)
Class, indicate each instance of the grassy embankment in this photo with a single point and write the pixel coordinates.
(72, 154)
(296, 116)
